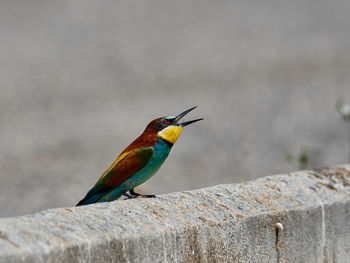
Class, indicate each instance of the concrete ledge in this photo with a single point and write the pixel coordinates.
(225, 223)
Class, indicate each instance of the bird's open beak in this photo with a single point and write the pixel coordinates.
(181, 115)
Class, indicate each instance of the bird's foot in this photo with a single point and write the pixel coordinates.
(147, 196)
(134, 194)
(124, 193)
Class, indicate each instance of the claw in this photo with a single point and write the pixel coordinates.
(124, 193)
(134, 194)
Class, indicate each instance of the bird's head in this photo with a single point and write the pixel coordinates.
(168, 128)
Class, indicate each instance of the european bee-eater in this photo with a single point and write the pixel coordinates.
(139, 161)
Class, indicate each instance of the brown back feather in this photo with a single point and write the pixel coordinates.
(147, 138)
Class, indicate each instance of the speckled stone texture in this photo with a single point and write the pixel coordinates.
(81, 79)
(224, 223)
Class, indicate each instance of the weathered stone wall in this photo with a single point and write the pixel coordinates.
(81, 79)
(299, 217)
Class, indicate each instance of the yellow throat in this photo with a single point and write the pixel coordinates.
(170, 133)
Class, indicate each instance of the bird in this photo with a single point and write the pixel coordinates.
(139, 161)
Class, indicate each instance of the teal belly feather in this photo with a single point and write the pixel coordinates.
(161, 152)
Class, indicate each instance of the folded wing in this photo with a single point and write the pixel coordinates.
(122, 169)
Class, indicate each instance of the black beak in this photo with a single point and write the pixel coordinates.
(181, 115)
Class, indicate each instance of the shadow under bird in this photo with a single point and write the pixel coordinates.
(139, 161)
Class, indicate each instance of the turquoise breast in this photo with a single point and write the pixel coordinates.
(161, 152)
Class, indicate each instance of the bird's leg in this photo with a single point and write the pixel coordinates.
(124, 193)
(132, 192)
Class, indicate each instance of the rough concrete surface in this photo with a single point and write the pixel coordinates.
(80, 79)
(225, 223)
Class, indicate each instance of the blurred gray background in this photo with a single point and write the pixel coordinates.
(80, 79)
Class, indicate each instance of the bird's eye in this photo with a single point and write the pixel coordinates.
(165, 121)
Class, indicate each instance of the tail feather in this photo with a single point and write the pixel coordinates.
(91, 200)
(94, 195)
